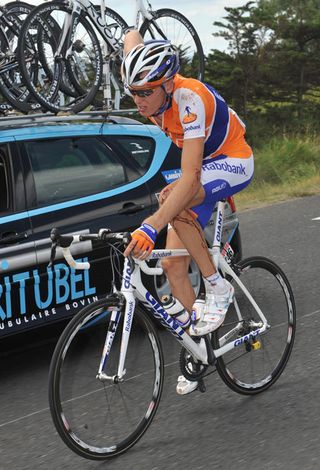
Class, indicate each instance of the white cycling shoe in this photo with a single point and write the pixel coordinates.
(185, 386)
(214, 313)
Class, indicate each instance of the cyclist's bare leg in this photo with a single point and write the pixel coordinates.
(176, 270)
(190, 233)
(192, 236)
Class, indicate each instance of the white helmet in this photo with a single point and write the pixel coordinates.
(159, 60)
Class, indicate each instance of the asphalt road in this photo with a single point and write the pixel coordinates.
(279, 429)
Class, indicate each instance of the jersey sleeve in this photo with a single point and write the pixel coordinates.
(191, 113)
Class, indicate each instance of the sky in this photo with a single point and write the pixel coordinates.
(201, 13)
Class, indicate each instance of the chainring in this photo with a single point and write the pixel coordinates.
(190, 367)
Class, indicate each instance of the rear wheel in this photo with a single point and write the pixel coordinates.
(97, 418)
(256, 362)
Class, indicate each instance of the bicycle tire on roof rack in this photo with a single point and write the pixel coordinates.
(11, 86)
(171, 24)
(37, 27)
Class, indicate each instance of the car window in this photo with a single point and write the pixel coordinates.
(69, 168)
(138, 147)
(4, 183)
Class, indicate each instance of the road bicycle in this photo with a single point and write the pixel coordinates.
(59, 44)
(107, 370)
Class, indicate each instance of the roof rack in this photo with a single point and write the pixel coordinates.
(117, 117)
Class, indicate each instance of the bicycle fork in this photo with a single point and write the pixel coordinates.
(129, 303)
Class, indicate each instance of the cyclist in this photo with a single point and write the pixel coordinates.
(216, 162)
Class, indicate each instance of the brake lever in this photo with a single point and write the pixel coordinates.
(126, 238)
(52, 254)
(54, 235)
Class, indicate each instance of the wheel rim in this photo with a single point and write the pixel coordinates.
(255, 363)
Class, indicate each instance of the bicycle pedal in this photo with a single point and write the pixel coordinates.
(201, 386)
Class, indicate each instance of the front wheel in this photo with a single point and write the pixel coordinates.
(172, 25)
(256, 362)
(101, 419)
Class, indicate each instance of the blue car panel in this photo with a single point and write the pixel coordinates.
(31, 294)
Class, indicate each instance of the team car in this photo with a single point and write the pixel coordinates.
(79, 174)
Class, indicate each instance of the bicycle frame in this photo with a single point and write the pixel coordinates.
(132, 288)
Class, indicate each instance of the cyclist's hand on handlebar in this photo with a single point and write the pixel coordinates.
(142, 243)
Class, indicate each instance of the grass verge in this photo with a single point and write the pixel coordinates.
(268, 194)
(285, 168)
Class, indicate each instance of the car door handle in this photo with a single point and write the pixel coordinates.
(8, 238)
(131, 208)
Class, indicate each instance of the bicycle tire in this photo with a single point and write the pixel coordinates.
(81, 406)
(170, 24)
(45, 40)
(117, 25)
(256, 363)
(31, 68)
(11, 85)
(48, 91)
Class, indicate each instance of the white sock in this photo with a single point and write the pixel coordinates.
(215, 283)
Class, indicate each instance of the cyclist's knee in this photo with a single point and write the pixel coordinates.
(175, 267)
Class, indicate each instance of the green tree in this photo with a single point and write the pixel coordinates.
(270, 73)
(246, 40)
(295, 52)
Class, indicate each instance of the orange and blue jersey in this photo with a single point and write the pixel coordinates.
(198, 110)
